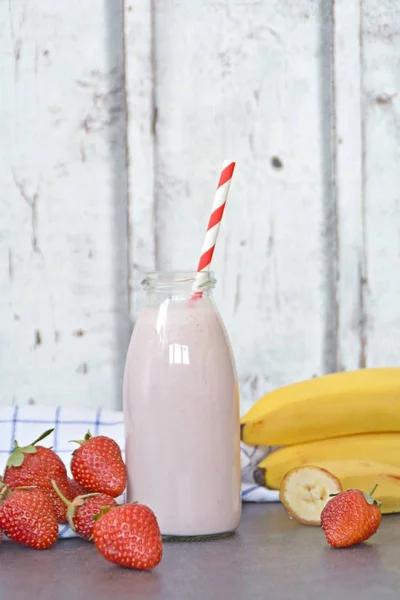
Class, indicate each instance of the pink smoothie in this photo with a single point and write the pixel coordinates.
(182, 419)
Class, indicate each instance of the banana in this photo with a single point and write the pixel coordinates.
(306, 490)
(339, 404)
(358, 474)
(381, 447)
(364, 475)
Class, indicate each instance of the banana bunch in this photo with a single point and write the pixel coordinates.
(346, 403)
(345, 423)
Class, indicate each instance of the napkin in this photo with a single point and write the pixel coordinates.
(26, 423)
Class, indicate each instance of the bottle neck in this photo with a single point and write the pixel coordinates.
(177, 285)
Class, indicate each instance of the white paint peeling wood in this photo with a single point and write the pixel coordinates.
(381, 102)
(241, 80)
(101, 183)
(140, 144)
(63, 277)
(349, 185)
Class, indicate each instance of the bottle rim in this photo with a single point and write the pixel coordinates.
(173, 279)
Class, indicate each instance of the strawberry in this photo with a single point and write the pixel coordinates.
(36, 466)
(76, 488)
(129, 536)
(351, 517)
(3, 491)
(27, 517)
(82, 509)
(98, 466)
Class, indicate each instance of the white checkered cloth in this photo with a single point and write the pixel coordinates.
(26, 423)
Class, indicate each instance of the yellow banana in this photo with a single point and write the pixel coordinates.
(339, 404)
(364, 475)
(380, 447)
(305, 490)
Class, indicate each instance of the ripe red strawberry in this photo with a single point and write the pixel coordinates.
(351, 517)
(82, 509)
(27, 517)
(36, 466)
(3, 491)
(129, 536)
(76, 488)
(98, 466)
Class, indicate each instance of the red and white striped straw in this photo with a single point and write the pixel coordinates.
(217, 211)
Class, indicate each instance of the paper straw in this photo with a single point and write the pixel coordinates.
(217, 211)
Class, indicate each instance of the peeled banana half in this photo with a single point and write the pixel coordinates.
(370, 447)
(306, 490)
(365, 475)
(339, 404)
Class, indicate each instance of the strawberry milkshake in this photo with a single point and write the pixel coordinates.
(181, 407)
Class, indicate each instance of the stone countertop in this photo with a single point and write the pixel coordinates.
(270, 557)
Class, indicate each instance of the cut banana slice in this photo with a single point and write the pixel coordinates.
(306, 490)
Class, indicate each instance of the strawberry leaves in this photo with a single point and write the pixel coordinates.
(87, 437)
(369, 497)
(16, 458)
(103, 511)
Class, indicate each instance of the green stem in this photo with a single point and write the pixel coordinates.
(3, 492)
(60, 494)
(372, 492)
(87, 437)
(41, 437)
(103, 511)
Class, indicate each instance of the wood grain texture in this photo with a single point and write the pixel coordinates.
(63, 274)
(381, 103)
(241, 80)
(115, 119)
(139, 78)
(349, 185)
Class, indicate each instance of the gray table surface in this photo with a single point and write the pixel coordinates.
(269, 557)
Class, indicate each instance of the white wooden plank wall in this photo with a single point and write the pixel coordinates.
(115, 121)
(139, 82)
(347, 175)
(242, 80)
(63, 268)
(381, 111)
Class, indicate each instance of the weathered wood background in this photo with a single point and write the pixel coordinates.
(115, 119)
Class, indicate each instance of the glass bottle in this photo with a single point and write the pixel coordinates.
(181, 410)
